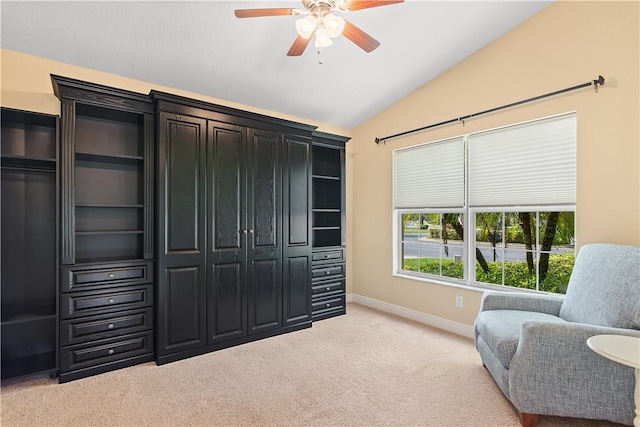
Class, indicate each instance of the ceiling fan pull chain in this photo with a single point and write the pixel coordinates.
(320, 61)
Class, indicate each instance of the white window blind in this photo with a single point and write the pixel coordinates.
(430, 175)
(528, 164)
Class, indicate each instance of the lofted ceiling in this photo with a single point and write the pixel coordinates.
(202, 47)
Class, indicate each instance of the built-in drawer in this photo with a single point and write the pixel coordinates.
(102, 326)
(105, 351)
(326, 289)
(328, 304)
(336, 255)
(326, 272)
(87, 303)
(78, 278)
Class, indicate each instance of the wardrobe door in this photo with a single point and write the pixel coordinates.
(296, 220)
(227, 233)
(181, 233)
(264, 201)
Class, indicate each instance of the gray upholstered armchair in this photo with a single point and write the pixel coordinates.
(534, 345)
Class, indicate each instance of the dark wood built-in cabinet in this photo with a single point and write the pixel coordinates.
(234, 226)
(329, 232)
(106, 273)
(29, 243)
(156, 227)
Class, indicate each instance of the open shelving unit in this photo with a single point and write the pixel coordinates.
(328, 196)
(328, 267)
(29, 152)
(109, 184)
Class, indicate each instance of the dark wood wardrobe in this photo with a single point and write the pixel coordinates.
(234, 226)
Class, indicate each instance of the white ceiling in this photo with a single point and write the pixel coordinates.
(203, 48)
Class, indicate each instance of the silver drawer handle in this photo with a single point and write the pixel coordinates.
(327, 272)
(328, 305)
(111, 275)
(326, 256)
(111, 351)
(110, 326)
(110, 301)
(328, 288)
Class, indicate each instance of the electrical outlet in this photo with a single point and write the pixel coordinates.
(459, 301)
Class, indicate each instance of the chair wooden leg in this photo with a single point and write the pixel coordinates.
(529, 420)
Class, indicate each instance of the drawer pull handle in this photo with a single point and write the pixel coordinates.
(110, 301)
(328, 305)
(110, 326)
(328, 288)
(111, 351)
(327, 272)
(326, 256)
(111, 275)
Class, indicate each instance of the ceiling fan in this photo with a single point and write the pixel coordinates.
(321, 21)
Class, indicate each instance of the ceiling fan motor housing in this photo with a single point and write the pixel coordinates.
(319, 7)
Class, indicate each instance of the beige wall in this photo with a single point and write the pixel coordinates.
(566, 44)
(26, 85)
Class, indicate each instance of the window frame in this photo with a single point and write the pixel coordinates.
(469, 214)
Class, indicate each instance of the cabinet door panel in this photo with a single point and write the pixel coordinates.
(226, 288)
(265, 188)
(226, 303)
(296, 298)
(183, 326)
(181, 257)
(264, 201)
(297, 219)
(182, 184)
(265, 296)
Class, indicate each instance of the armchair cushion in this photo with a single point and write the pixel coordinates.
(603, 288)
(501, 330)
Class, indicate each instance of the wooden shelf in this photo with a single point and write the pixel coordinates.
(326, 210)
(107, 158)
(114, 206)
(28, 319)
(28, 163)
(327, 177)
(34, 364)
(108, 232)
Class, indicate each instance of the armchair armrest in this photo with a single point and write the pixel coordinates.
(553, 371)
(541, 303)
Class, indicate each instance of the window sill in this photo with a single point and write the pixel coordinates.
(478, 287)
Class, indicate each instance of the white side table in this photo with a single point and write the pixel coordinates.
(622, 349)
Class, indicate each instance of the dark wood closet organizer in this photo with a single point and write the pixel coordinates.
(29, 243)
(184, 227)
(107, 228)
(329, 231)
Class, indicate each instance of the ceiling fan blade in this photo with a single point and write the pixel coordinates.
(354, 5)
(256, 13)
(299, 45)
(359, 37)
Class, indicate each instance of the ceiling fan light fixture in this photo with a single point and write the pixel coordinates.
(322, 38)
(306, 26)
(334, 24)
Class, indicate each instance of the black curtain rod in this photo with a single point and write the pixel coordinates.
(598, 82)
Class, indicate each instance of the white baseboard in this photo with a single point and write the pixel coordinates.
(427, 319)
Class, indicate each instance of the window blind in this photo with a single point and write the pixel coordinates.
(429, 175)
(527, 164)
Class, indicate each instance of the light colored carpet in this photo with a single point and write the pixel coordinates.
(364, 369)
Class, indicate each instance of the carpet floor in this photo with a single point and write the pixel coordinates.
(367, 368)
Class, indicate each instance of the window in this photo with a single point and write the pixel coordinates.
(494, 208)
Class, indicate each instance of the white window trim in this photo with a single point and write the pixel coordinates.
(469, 281)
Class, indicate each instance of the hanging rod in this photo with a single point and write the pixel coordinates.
(598, 82)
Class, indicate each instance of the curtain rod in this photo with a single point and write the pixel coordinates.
(598, 82)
